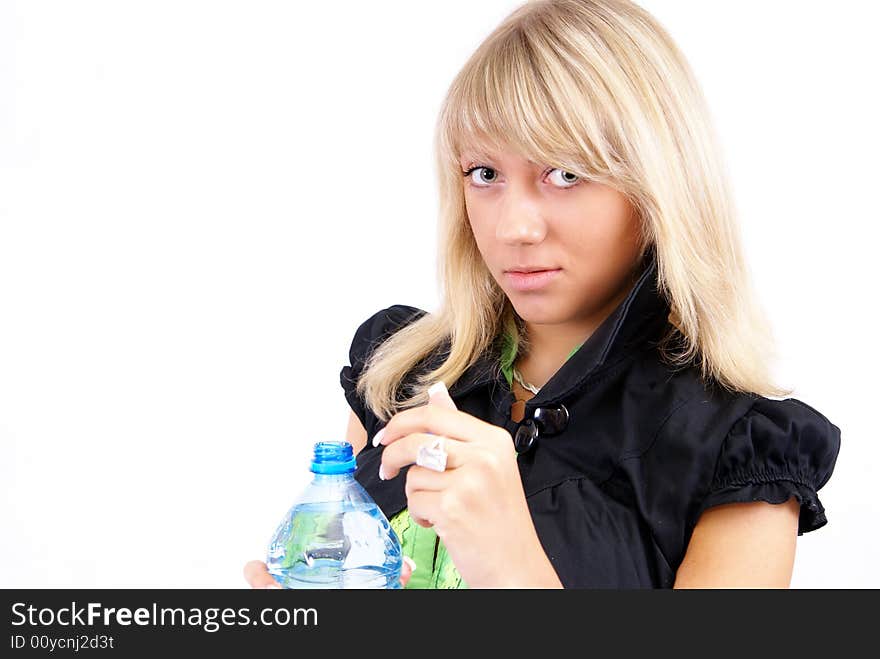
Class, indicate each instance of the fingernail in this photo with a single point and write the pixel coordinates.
(378, 437)
(436, 387)
(410, 562)
(381, 473)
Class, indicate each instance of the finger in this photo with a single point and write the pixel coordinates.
(435, 419)
(405, 450)
(422, 478)
(438, 394)
(406, 570)
(425, 504)
(421, 522)
(257, 575)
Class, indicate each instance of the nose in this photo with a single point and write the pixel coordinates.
(521, 219)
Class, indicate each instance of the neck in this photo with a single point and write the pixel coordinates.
(551, 344)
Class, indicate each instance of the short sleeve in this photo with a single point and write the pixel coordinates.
(779, 449)
(370, 334)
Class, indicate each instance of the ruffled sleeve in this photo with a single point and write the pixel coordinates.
(779, 449)
(370, 334)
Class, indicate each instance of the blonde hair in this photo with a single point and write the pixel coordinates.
(597, 88)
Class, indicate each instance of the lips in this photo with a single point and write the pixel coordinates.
(531, 281)
(528, 269)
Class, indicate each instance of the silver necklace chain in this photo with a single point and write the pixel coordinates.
(525, 385)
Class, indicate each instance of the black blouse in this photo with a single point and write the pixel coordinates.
(616, 490)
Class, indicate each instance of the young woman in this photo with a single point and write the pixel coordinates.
(609, 420)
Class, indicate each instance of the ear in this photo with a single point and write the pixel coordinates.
(438, 394)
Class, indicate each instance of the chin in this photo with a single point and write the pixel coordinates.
(540, 310)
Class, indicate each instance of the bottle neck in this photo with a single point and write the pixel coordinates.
(332, 478)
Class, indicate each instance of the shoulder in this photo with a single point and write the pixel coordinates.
(370, 333)
(780, 452)
(378, 327)
(777, 450)
(711, 449)
(720, 437)
(788, 436)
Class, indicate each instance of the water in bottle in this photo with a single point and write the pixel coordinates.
(335, 536)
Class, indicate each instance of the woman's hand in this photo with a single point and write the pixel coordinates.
(477, 506)
(258, 576)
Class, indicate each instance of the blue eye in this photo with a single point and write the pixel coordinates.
(566, 182)
(573, 181)
(468, 173)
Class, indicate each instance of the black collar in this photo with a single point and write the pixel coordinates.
(633, 324)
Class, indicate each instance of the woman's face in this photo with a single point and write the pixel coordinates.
(532, 215)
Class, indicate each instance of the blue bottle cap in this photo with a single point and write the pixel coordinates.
(333, 458)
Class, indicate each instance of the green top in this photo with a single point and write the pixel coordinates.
(434, 567)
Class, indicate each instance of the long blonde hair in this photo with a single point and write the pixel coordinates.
(597, 88)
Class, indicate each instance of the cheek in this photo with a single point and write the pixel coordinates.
(601, 222)
(480, 227)
(598, 235)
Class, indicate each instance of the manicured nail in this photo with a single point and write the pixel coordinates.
(378, 437)
(381, 474)
(411, 563)
(437, 386)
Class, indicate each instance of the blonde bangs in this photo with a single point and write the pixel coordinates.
(519, 92)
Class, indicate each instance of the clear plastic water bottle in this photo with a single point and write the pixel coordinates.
(335, 536)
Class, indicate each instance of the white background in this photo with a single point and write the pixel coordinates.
(201, 201)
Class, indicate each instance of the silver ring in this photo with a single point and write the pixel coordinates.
(432, 454)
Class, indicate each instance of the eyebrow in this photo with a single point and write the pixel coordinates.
(476, 157)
